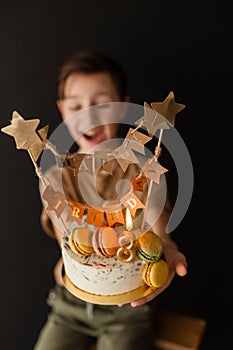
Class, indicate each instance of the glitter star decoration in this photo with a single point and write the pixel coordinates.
(25, 135)
(168, 108)
(151, 120)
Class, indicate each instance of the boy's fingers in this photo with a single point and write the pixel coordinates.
(181, 268)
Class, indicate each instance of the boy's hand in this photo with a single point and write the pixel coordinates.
(177, 264)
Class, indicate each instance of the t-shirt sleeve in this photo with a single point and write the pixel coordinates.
(53, 175)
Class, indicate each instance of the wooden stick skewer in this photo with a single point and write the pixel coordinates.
(155, 158)
(37, 169)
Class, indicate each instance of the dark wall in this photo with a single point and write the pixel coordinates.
(182, 46)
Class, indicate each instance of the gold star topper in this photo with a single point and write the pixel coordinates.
(151, 120)
(25, 135)
(168, 108)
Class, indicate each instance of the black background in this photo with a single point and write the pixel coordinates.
(182, 46)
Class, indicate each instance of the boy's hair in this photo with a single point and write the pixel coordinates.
(89, 62)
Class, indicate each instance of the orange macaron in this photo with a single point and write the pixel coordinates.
(80, 241)
(105, 241)
(155, 274)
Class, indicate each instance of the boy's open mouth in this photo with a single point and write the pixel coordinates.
(95, 135)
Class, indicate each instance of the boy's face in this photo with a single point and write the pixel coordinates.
(85, 90)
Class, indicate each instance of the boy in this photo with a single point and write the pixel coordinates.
(87, 79)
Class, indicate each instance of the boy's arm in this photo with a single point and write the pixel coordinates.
(53, 232)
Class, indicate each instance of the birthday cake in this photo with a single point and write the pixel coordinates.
(106, 273)
(99, 275)
(107, 260)
(105, 251)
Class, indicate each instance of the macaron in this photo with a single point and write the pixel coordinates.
(155, 274)
(149, 246)
(105, 241)
(80, 241)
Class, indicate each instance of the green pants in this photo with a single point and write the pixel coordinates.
(71, 325)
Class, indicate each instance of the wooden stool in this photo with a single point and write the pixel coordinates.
(176, 331)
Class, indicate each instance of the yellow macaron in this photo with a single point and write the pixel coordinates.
(155, 274)
(80, 241)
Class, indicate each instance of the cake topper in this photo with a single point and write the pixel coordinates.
(151, 120)
(26, 137)
(168, 108)
(157, 115)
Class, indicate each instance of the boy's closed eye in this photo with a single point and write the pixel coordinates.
(74, 108)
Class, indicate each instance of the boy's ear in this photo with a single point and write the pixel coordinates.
(59, 106)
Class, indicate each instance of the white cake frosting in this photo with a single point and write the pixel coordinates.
(99, 275)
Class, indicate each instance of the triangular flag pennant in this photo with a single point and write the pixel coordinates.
(94, 217)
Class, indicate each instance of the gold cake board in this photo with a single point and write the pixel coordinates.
(106, 299)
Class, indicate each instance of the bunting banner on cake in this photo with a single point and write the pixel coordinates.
(157, 116)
